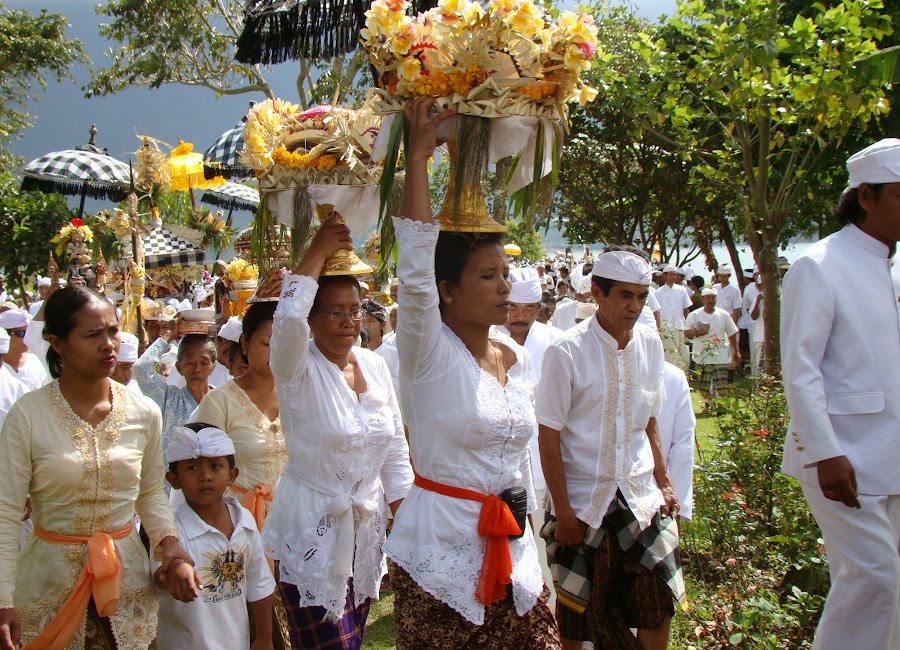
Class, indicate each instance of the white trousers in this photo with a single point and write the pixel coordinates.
(863, 547)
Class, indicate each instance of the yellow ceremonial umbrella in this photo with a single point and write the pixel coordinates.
(186, 170)
(512, 249)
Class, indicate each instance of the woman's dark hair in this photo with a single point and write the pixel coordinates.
(331, 281)
(848, 209)
(453, 251)
(234, 351)
(256, 315)
(60, 315)
(697, 281)
(197, 427)
(196, 341)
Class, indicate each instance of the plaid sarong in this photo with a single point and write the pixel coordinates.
(309, 629)
(713, 376)
(655, 547)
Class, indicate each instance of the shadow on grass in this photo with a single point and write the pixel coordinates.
(380, 628)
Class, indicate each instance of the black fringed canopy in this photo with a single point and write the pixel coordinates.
(86, 170)
(278, 30)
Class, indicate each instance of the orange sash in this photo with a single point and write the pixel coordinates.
(495, 522)
(99, 578)
(255, 501)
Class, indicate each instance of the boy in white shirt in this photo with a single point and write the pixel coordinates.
(231, 567)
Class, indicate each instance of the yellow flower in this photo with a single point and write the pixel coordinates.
(527, 20)
(409, 69)
(500, 7)
(472, 12)
(584, 94)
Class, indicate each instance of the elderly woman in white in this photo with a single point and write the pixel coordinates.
(347, 455)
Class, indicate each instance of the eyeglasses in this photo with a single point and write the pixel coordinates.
(356, 314)
(19, 333)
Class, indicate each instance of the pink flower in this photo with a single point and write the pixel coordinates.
(731, 561)
(588, 49)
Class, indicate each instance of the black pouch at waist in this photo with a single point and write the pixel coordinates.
(517, 500)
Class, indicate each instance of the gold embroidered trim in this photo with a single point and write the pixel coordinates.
(274, 455)
(94, 444)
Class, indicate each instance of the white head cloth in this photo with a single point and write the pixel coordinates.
(128, 349)
(42, 281)
(4, 341)
(668, 268)
(622, 266)
(526, 286)
(208, 443)
(231, 330)
(877, 163)
(709, 292)
(13, 318)
(182, 305)
(723, 269)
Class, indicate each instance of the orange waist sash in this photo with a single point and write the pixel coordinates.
(99, 578)
(255, 501)
(495, 522)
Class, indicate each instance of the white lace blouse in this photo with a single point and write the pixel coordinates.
(347, 458)
(465, 430)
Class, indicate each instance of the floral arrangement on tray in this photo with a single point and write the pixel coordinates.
(323, 145)
(509, 57)
(239, 269)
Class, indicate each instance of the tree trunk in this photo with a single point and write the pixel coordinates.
(764, 244)
(733, 253)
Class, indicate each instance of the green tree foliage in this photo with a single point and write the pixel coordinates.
(529, 240)
(756, 97)
(28, 220)
(33, 49)
(193, 43)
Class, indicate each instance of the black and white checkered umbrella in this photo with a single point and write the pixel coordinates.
(232, 196)
(163, 248)
(78, 171)
(221, 159)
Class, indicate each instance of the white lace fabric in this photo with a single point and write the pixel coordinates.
(465, 430)
(347, 457)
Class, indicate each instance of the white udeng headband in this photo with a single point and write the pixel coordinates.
(209, 442)
(877, 163)
(622, 266)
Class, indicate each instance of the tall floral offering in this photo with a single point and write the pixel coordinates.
(318, 157)
(508, 58)
(509, 61)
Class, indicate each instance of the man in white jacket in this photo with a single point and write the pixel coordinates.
(840, 343)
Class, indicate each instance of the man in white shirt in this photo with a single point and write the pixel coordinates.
(11, 389)
(756, 331)
(715, 345)
(522, 326)
(23, 365)
(677, 423)
(840, 346)
(675, 303)
(604, 466)
(728, 295)
(43, 290)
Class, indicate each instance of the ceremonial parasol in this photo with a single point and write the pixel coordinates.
(278, 30)
(512, 249)
(86, 170)
(232, 196)
(221, 159)
(163, 248)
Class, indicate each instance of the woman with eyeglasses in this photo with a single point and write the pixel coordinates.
(347, 455)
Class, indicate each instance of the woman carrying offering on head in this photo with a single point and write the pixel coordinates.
(347, 456)
(468, 567)
(87, 450)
